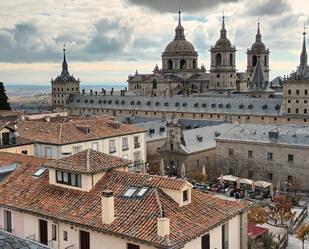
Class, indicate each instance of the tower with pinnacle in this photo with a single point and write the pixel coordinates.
(257, 52)
(63, 86)
(223, 63)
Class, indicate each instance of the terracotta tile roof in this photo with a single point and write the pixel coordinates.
(7, 158)
(136, 218)
(75, 130)
(88, 161)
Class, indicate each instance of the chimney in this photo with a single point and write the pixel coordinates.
(90, 91)
(163, 226)
(112, 91)
(108, 214)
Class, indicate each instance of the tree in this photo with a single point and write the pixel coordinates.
(199, 177)
(4, 104)
(257, 215)
(303, 233)
(154, 165)
(268, 241)
(283, 208)
(295, 188)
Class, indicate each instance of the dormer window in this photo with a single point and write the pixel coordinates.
(67, 178)
(185, 195)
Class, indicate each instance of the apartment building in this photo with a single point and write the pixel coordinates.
(90, 200)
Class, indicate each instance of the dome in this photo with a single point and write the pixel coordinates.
(179, 46)
(223, 43)
(258, 46)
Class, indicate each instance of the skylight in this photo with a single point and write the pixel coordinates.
(142, 192)
(39, 172)
(130, 192)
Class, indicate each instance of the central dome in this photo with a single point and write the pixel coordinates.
(178, 45)
(258, 46)
(223, 43)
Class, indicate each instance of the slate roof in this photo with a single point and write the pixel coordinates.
(87, 162)
(238, 104)
(10, 241)
(136, 217)
(259, 133)
(73, 131)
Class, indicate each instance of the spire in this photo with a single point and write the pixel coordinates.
(258, 76)
(258, 37)
(303, 56)
(64, 63)
(223, 30)
(179, 31)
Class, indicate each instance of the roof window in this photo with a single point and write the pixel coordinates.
(40, 172)
(142, 192)
(204, 105)
(130, 192)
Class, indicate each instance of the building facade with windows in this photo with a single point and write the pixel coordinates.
(62, 136)
(275, 153)
(113, 208)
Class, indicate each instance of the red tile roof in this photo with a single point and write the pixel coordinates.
(88, 161)
(255, 231)
(73, 131)
(136, 218)
(9, 158)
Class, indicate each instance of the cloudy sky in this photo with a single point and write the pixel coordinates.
(107, 40)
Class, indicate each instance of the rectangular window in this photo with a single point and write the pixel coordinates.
(289, 92)
(206, 241)
(296, 110)
(48, 152)
(132, 246)
(137, 156)
(270, 176)
(95, 146)
(71, 179)
(225, 236)
(231, 171)
(112, 146)
(297, 92)
(7, 220)
(185, 196)
(289, 101)
(305, 111)
(290, 158)
(5, 138)
(231, 152)
(137, 143)
(25, 152)
(36, 150)
(290, 179)
(269, 156)
(250, 153)
(289, 110)
(77, 149)
(306, 92)
(125, 143)
(65, 235)
(250, 174)
(59, 176)
(65, 176)
(54, 232)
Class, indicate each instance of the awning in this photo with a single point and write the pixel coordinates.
(262, 184)
(229, 178)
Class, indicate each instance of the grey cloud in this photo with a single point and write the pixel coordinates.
(186, 5)
(267, 7)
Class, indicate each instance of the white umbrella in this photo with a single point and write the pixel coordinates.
(204, 171)
(253, 186)
(183, 170)
(238, 184)
(271, 189)
(162, 168)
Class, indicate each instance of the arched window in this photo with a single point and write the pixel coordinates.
(154, 84)
(254, 60)
(170, 65)
(231, 60)
(265, 60)
(183, 64)
(218, 59)
(194, 64)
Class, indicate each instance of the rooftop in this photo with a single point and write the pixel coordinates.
(88, 161)
(136, 216)
(74, 130)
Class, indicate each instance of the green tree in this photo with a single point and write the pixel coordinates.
(4, 104)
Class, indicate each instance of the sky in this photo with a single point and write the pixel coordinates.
(108, 40)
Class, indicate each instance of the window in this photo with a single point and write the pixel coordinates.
(297, 92)
(290, 179)
(137, 156)
(225, 236)
(54, 232)
(206, 241)
(130, 192)
(306, 92)
(142, 192)
(231, 171)
(65, 235)
(40, 172)
(112, 146)
(125, 143)
(67, 178)
(48, 152)
(95, 146)
(7, 220)
(289, 110)
(25, 152)
(296, 110)
(185, 196)
(270, 176)
(289, 91)
(269, 156)
(290, 158)
(250, 153)
(297, 101)
(305, 111)
(231, 152)
(132, 246)
(137, 143)
(289, 101)
(250, 174)
(5, 138)
(77, 149)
